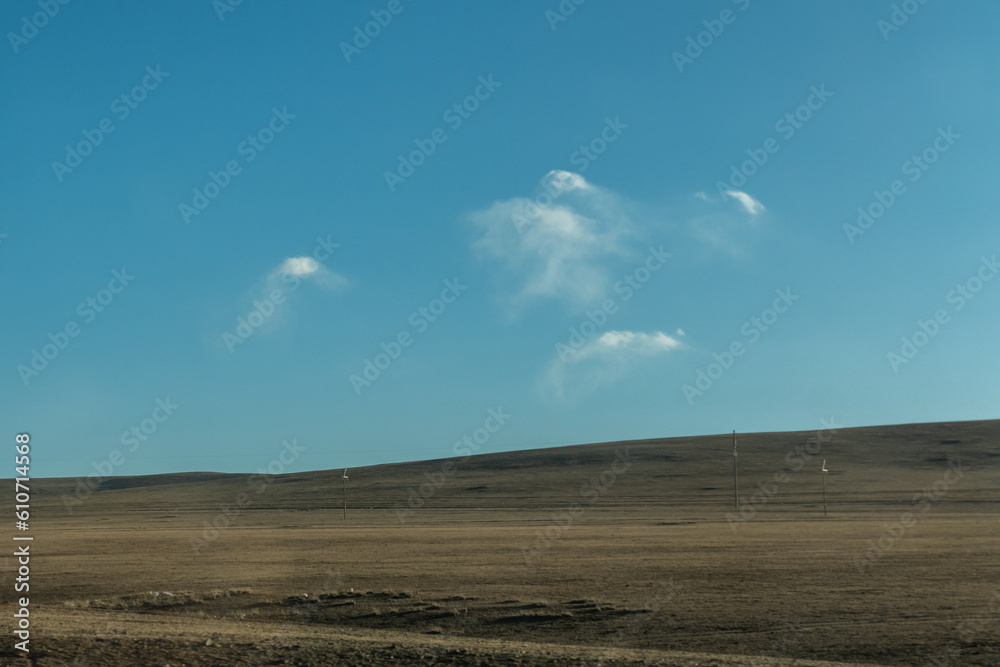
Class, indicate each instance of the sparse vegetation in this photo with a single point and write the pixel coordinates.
(650, 571)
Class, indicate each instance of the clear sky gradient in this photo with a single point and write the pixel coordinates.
(226, 227)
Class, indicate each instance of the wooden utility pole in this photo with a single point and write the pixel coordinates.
(824, 471)
(736, 479)
(345, 494)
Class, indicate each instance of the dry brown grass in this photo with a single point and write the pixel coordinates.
(651, 566)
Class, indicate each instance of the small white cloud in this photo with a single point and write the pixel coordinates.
(603, 360)
(566, 180)
(611, 343)
(287, 278)
(309, 269)
(752, 206)
(716, 228)
(299, 266)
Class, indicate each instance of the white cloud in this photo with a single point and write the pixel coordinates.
(276, 288)
(566, 180)
(615, 342)
(305, 268)
(752, 206)
(602, 360)
(299, 266)
(570, 241)
(718, 229)
(558, 245)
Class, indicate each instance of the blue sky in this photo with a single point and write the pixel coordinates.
(266, 211)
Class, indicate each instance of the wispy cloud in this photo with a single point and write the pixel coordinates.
(558, 245)
(752, 206)
(278, 286)
(602, 360)
(568, 241)
(719, 233)
(716, 228)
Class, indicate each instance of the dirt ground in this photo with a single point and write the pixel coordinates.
(612, 554)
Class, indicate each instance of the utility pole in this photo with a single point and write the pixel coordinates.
(824, 471)
(736, 481)
(345, 494)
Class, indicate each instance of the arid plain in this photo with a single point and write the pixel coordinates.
(604, 554)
